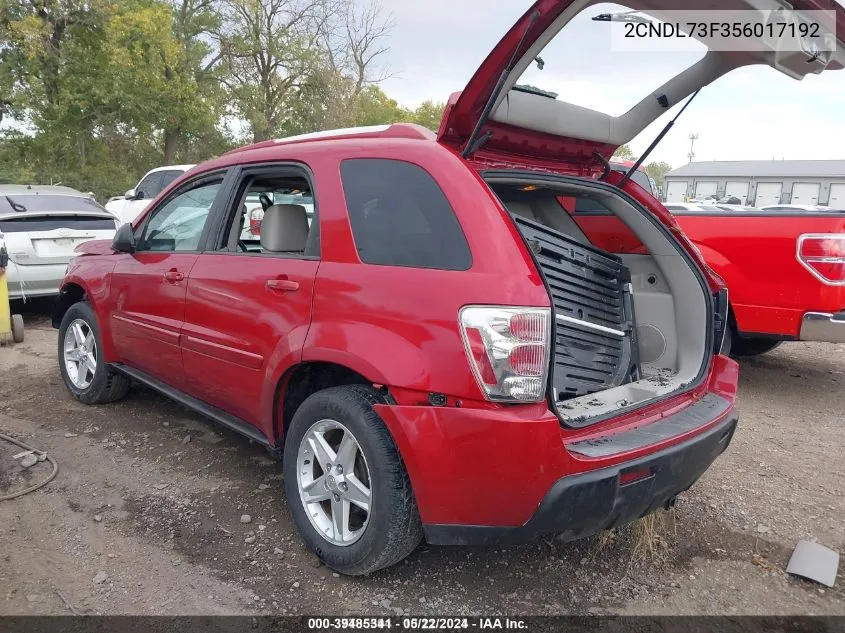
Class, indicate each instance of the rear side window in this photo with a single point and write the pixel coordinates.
(401, 217)
(42, 223)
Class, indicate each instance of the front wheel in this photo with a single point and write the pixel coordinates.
(86, 375)
(346, 484)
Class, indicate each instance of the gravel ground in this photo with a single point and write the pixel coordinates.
(144, 516)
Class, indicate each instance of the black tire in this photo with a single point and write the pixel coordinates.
(107, 384)
(17, 328)
(749, 347)
(394, 529)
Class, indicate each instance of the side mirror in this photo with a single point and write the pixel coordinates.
(129, 195)
(124, 239)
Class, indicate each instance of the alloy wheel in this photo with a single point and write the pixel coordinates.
(80, 354)
(334, 482)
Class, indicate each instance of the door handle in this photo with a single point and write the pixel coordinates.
(174, 275)
(282, 285)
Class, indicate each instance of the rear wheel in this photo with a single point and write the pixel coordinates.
(346, 484)
(748, 347)
(86, 375)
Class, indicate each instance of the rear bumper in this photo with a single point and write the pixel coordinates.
(34, 281)
(496, 466)
(823, 327)
(581, 505)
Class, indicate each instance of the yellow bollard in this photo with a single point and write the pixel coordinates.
(11, 325)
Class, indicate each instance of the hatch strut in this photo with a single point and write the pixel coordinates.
(659, 138)
(475, 141)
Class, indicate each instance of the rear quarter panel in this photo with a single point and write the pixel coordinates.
(756, 255)
(399, 326)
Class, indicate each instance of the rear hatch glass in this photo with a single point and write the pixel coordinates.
(51, 223)
(36, 202)
(51, 238)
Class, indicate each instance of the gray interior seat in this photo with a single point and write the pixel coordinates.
(284, 229)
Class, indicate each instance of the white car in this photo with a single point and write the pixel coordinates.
(40, 226)
(133, 202)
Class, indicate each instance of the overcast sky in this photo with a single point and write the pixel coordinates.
(752, 113)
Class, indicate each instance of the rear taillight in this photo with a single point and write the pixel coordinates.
(824, 256)
(255, 218)
(508, 350)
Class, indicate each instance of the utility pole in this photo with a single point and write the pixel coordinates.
(692, 139)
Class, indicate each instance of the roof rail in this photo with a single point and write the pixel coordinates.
(395, 130)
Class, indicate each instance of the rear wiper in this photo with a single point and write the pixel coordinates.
(474, 142)
(17, 206)
(665, 103)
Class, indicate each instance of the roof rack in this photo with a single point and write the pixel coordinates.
(395, 130)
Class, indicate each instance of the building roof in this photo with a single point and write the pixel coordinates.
(762, 168)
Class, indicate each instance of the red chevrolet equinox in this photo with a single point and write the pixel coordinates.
(478, 336)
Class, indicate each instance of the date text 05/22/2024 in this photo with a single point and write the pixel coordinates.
(418, 623)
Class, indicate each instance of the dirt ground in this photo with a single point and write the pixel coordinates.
(144, 516)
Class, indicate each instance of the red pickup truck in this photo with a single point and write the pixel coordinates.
(785, 272)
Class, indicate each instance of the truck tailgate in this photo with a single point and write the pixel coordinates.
(757, 255)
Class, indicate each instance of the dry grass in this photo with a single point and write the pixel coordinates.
(648, 537)
(650, 532)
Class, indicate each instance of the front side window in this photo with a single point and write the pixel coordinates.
(275, 216)
(401, 217)
(177, 225)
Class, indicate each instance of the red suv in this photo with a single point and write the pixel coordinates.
(441, 349)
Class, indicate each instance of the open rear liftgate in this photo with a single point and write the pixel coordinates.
(595, 332)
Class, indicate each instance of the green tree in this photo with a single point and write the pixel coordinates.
(376, 108)
(429, 115)
(658, 171)
(101, 90)
(270, 48)
(625, 153)
(192, 78)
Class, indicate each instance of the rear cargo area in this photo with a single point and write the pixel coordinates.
(631, 314)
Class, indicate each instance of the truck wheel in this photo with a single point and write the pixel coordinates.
(86, 375)
(346, 484)
(748, 347)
